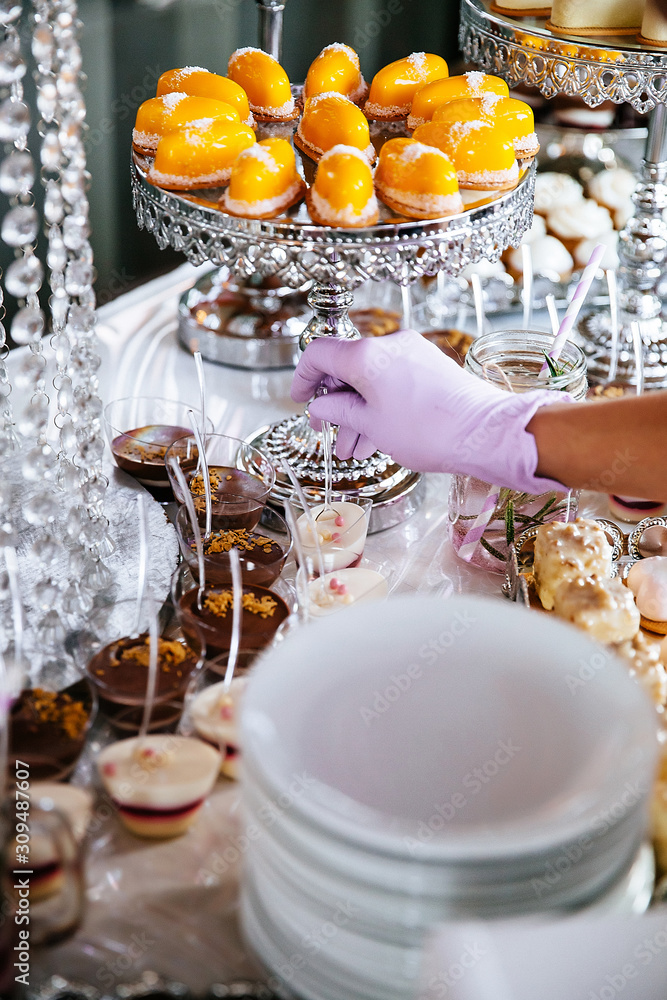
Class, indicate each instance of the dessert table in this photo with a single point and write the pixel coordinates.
(170, 907)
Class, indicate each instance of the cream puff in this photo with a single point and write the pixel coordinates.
(567, 551)
(647, 579)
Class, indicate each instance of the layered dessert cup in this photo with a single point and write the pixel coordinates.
(158, 783)
(213, 715)
(338, 531)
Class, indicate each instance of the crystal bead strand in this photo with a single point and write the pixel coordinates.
(76, 598)
(73, 301)
(23, 280)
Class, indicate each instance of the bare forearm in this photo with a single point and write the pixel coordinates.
(614, 446)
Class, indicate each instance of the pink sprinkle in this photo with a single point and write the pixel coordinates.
(109, 769)
(342, 589)
(340, 521)
(335, 537)
(333, 583)
(226, 712)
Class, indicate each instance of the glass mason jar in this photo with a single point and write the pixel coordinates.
(504, 358)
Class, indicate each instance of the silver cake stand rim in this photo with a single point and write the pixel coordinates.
(300, 235)
(546, 59)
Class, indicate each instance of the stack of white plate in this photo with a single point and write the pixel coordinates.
(424, 760)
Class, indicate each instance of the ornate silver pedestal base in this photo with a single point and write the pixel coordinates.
(396, 493)
(594, 336)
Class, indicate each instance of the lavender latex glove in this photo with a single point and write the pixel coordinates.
(404, 397)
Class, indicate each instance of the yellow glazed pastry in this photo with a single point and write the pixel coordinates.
(343, 193)
(482, 152)
(264, 181)
(394, 87)
(161, 115)
(417, 180)
(596, 17)
(198, 82)
(336, 69)
(453, 88)
(199, 158)
(332, 120)
(265, 82)
(515, 116)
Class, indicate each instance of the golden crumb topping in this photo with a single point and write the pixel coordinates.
(241, 538)
(172, 653)
(197, 483)
(60, 709)
(220, 602)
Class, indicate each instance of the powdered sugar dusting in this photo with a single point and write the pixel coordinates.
(341, 47)
(265, 206)
(460, 130)
(489, 103)
(171, 100)
(475, 81)
(201, 123)
(314, 101)
(244, 51)
(418, 61)
(187, 70)
(415, 151)
(342, 148)
(347, 216)
(262, 154)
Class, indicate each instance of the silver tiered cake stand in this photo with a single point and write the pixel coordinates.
(337, 261)
(599, 68)
(293, 251)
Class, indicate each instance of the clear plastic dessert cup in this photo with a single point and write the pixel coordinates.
(263, 550)
(341, 529)
(140, 429)
(241, 477)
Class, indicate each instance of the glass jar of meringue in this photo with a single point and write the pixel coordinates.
(512, 360)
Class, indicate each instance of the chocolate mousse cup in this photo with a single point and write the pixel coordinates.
(48, 729)
(263, 549)
(263, 614)
(140, 430)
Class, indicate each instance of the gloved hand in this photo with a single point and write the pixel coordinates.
(403, 396)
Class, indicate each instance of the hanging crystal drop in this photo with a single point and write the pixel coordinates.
(51, 153)
(24, 276)
(14, 120)
(39, 463)
(47, 101)
(62, 350)
(20, 226)
(50, 632)
(43, 45)
(28, 325)
(41, 510)
(12, 66)
(68, 437)
(78, 276)
(17, 174)
(9, 11)
(68, 476)
(99, 577)
(76, 600)
(76, 519)
(93, 489)
(30, 371)
(65, 393)
(53, 204)
(46, 592)
(56, 257)
(32, 420)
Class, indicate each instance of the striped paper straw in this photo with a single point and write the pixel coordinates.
(580, 293)
(479, 525)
